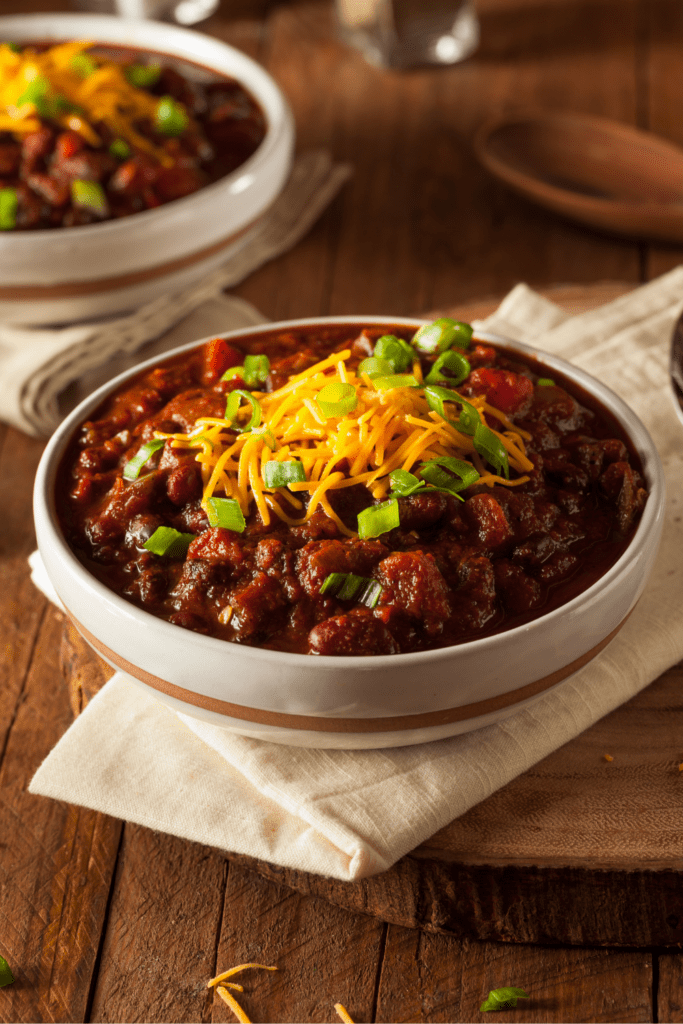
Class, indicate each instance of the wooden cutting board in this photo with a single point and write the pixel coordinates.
(585, 848)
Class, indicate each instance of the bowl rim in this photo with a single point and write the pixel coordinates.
(45, 506)
(268, 95)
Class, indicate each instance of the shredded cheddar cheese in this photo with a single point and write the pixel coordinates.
(77, 102)
(222, 985)
(386, 430)
(343, 1013)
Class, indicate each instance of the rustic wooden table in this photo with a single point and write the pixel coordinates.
(109, 922)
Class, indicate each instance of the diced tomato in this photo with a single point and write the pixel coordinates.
(219, 356)
(67, 145)
(510, 392)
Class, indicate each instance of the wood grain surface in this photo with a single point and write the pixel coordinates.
(102, 921)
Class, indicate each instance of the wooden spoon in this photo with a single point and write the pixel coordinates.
(590, 169)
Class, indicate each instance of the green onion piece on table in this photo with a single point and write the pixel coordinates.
(396, 351)
(131, 470)
(404, 483)
(442, 334)
(464, 470)
(232, 408)
(375, 367)
(337, 399)
(225, 512)
(6, 976)
(168, 543)
(396, 380)
(143, 76)
(170, 118)
(281, 474)
(89, 195)
(453, 361)
(503, 999)
(545, 382)
(83, 65)
(378, 519)
(492, 449)
(120, 149)
(8, 208)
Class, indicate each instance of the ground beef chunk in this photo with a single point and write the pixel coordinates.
(318, 559)
(254, 603)
(421, 511)
(414, 584)
(357, 633)
(485, 514)
(220, 546)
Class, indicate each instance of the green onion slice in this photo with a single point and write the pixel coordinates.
(234, 371)
(545, 382)
(143, 76)
(453, 361)
(337, 399)
(442, 334)
(502, 999)
(225, 512)
(256, 370)
(281, 474)
(492, 449)
(35, 91)
(232, 408)
(469, 417)
(433, 472)
(89, 195)
(169, 543)
(83, 65)
(396, 351)
(6, 976)
(404, 483)
(348, 587)
(378, 519)
(375, 367)
(14, 47)
(396, 380)
(9, 202)
(170, 118)
(131, 470)
(267, 436)
(120, 149)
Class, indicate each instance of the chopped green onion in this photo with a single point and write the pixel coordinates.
(89, 195)
(232, 408)
(545, 382)
(442, 334)
(267, 436)
(143, 76)
(348, 587)
(378, 519)
(404, 483)
(256, 370)
(503, 999)
(170, 118)
(120, 149)
(454, 361)
(396, 351)
(9, 202)
(469, 417)
(14, 47)
(35, 91)
(131, 470)
(492, 449)
(396, 380)
(433, 472)
(234, 371)
(166, 541)
(83, 65)
(281, 474)
(6, 976)
(225, 512)
(375, 367)
(336, 399)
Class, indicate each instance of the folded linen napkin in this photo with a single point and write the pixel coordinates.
(37, 365)
(350, 814)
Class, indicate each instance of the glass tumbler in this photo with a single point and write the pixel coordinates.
(409, 33)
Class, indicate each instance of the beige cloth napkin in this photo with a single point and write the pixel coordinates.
(351, 814)
(38, 365)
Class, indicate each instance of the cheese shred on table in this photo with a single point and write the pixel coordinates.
(222, 985)
(31, 79)
(388, 429)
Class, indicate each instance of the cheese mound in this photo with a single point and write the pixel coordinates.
(388, 429)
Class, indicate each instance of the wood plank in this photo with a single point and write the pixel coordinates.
(670, 987)
(324, 955)
(438, 978)
(159, 949)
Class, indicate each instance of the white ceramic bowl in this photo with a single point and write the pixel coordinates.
(352, 702)
(67, 274)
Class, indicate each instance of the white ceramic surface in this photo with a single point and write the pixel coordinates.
(326, 690)
(92, 253)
